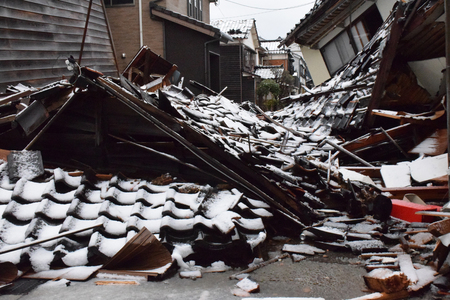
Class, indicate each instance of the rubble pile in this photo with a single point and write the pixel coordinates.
(233, 175)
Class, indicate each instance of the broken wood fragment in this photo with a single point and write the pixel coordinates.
(248, 285)
(263, 264)
(346, 152)
(407, 267)
(142, 252)
(302, 249)
(385, 280)
(439, 228)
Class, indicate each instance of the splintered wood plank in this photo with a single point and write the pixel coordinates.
(425, 276)
(142, 252)
(440, 227)
(424, 192)
(379, 137)
(384, 280)
(435, 144)
(302, 249)
(407, 267)
(434, 213)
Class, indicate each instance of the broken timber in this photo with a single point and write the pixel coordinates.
(263, 264)
(151, 114)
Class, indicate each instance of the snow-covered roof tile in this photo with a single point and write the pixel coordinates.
(237, 29)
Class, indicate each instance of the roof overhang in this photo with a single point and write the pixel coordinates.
(188, 22)
(324, 19)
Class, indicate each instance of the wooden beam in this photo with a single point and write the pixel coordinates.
(386, 63)
(424, 192)
(379, 137)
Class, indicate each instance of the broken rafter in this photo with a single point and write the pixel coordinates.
(296, 133)
(386, 63)
(170, 157)
(68, 101)
(36, 242)
(16, 96)
(337, 147)
(307, 96)
(136, 105)
(394, 142)
(263, 264)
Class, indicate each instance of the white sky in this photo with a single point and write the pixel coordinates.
(273, 18)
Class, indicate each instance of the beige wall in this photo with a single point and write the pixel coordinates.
(314, 59)
(316, 65)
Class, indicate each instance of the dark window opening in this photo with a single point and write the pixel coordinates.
(214, 71)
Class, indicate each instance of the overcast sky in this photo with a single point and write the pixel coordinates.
(274, 18)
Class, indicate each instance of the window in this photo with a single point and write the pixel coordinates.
(248, 60)
(338, 52)
(360, 35)
(344, 47)
(118, 2)
(195, 9)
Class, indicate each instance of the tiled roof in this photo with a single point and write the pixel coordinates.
(322, 17)
(174, 212)
(272, 46)
(340, 103)
(237, 29)
(269, 72)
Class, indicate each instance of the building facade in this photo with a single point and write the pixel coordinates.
(239, 58)
(178, 30)
(334, 31)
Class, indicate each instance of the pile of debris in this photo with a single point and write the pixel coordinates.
(237, 174)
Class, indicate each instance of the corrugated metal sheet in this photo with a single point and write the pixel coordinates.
(37, 36)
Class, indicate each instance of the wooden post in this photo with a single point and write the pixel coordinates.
(386, 63)
(447, 74)
(85, 31)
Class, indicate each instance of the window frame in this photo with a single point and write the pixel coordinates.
(327, 59)
(195, 9)
(362, 22)
(109, 3)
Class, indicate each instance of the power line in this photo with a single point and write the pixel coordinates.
(254, 14)
(271, 9)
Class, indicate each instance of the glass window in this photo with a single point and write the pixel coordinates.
(195, 9)
(338, 52)
(360, 35)
(344, 47)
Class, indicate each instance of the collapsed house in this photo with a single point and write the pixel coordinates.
(235, 173)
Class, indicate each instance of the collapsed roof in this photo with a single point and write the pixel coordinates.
(274, 165)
